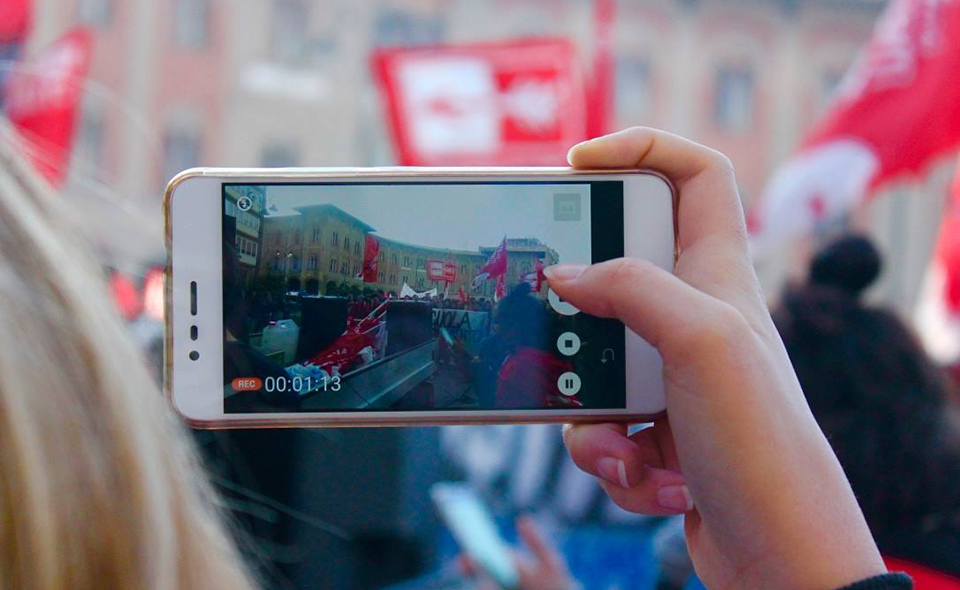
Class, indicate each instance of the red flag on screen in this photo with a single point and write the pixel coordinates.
(496, 265)
(516, 103)
(371, 259)
(501, 290)
(897, 108)
(938, 311)
(536, 277)
(461, 294)
(41, 102)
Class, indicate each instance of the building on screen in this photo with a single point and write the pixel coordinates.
(322, 245)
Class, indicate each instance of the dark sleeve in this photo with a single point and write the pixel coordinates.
(884, 582)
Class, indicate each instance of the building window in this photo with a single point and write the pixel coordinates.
(420, 264)
(335, 240)
(312, 263)
(279, 155)
(297, 237)
(393, 279)
(192, 23)
(294, 263)
(406, 262)
(181, 150)
(356, 270)
(288, 34)
(316, 235)
(380, 276)
(333, 265)
(346, 244)
(356, 248)
(463, 269)
(734, 100)
(96, 13)
(405, 281)
(395, 26)
(394, 258)
(344, 267)
(420, 282)
(633, 94)
(381, 257)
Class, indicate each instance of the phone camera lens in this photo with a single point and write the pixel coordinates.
(194, 355)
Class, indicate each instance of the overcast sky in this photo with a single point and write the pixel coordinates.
(460, 217)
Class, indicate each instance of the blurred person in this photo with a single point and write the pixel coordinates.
(99, 486)
(527, 376)
(889, 413)
(765, 501)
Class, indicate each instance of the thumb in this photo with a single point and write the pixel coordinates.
(655, 304)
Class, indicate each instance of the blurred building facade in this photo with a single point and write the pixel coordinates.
(286, 82)
(322, 246)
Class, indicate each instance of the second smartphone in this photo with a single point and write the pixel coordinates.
(350, 297)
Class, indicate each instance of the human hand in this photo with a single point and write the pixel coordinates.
(540, 566)
(766, 502)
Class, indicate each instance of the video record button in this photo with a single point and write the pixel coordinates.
(568, 344)
(559, 305)
(569, 383)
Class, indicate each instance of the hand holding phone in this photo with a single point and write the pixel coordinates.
(766, 502)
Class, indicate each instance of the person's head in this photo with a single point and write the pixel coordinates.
(887, 411)
(99, 487)
(522, 320)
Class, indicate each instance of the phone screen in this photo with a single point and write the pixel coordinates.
(342, 297)
(476, 532)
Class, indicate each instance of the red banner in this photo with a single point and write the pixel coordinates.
(14, 20)
(438, 270)
(897, 109)
(495, 267)
(371, 259)
(508, 103)
(41, 102)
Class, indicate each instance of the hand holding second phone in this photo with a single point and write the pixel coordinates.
(766, 502)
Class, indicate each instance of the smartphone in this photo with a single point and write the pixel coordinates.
(475, 532)
(379, 297)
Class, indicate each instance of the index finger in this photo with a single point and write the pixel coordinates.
(709, 203)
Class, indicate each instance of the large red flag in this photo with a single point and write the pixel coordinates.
(536, 277)
(938, 311)
(371, 259)
(897, 108)
(495, 267)
(15, 16)
(513, 103)
(41, 102)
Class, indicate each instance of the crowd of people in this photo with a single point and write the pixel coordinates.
(99, 487)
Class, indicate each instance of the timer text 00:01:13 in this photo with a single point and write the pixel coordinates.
(281, 384)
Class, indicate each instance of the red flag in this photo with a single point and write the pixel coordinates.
(536, 277)
(508, 103)
(897, 108)
(462, 294)
(41, 102)
(938, 310)
(371, 259)
(15, 16)
(496, 265)
(501, 289)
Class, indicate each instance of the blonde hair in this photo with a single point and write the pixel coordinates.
(99, 486)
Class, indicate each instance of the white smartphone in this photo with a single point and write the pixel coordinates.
(400, 296)
(475, 531)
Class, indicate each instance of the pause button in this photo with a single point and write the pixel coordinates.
(569, 383)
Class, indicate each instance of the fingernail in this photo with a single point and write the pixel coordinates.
(613, 470)
(675, 498)
(564, 272)
(574, 148)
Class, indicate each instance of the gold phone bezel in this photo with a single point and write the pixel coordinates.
(319, 420)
